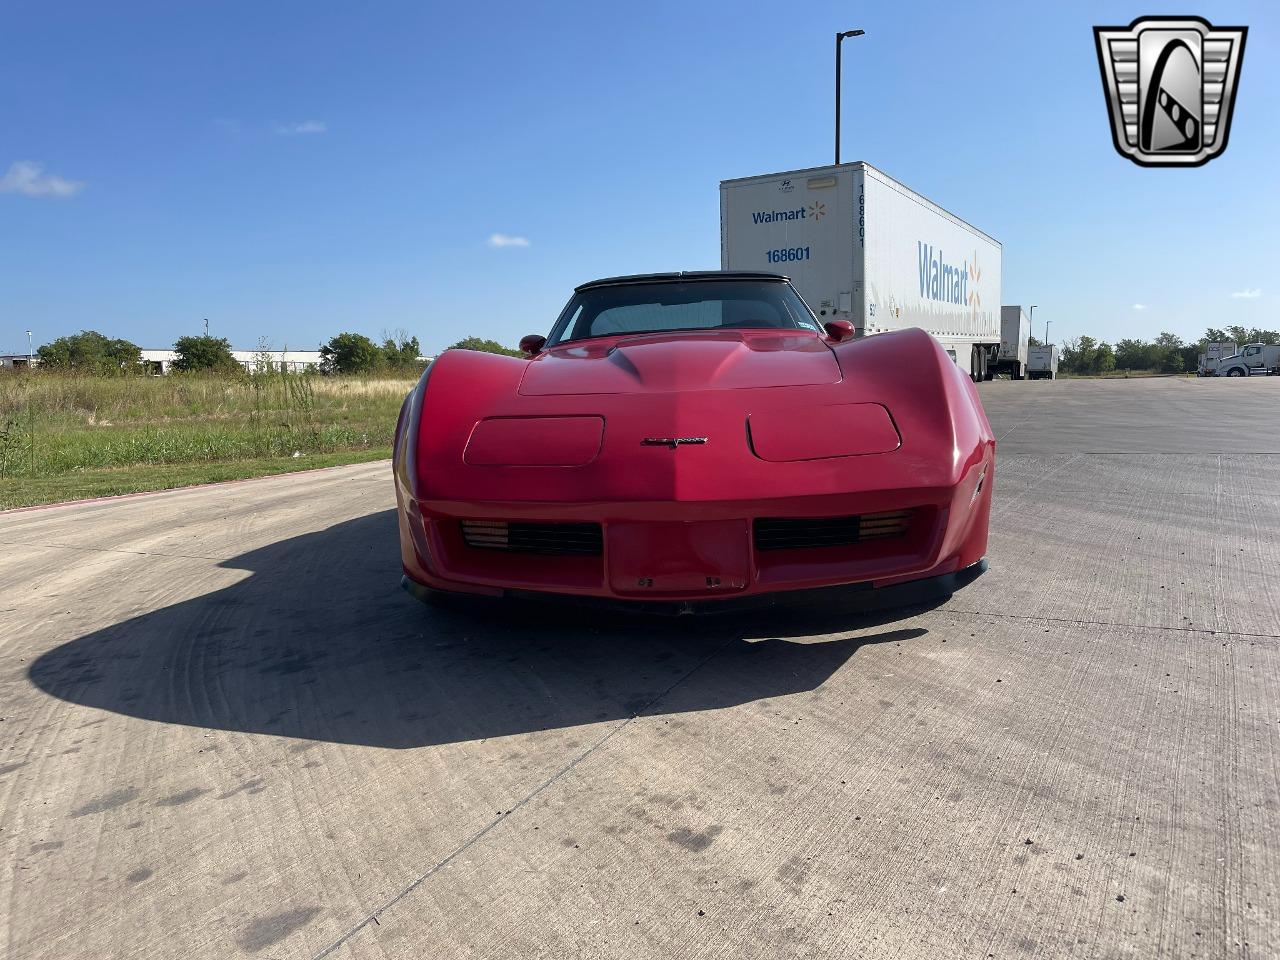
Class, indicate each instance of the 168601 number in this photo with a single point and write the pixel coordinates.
(787, 254)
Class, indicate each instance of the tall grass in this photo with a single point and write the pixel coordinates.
(53, 424)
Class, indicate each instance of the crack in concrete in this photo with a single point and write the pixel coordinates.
(132, 553)
(1108, 623)
(480, 834)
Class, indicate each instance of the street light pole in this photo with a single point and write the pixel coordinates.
(839, 39)
(30, 353)
(1046, 332)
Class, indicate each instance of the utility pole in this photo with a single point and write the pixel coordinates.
(31, 409)
(206, 326)
(839, 39)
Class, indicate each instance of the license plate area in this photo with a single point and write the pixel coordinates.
(667, 558)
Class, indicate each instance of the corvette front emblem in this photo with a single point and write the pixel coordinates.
(672, 442)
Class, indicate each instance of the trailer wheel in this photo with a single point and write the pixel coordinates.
(977, 364)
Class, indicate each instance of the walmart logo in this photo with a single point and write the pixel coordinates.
(944, 281)
(814, 211)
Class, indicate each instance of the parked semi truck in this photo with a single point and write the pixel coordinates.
(1015, 338)
(1042, 362)
(860, 246)
(1254, 360)
(1207, 362)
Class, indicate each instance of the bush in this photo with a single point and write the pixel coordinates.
(89, 352)
(204, 353)
(351, 353)
(485, 346)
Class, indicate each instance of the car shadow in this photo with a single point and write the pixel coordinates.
(320, 643)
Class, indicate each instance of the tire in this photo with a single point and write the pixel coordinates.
(1236, 372)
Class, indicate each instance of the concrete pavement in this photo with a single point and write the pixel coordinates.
(227, 732)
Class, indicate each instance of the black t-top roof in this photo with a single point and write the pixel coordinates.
(683, 276)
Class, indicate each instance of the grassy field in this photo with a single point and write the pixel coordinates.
(72, 437)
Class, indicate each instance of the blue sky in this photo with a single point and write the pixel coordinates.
(290, 170)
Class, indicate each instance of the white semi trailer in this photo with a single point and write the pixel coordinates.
(1214, 353)
(1015, 339)
(1042, 362)
(860, 246)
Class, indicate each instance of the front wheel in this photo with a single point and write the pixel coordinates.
(1235, 372)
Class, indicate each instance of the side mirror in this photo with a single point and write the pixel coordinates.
(532, 344)
(839, 330)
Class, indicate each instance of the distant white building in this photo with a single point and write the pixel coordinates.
(161, 361)
(287, 361)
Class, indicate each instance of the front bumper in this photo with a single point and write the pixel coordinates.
(862, 597)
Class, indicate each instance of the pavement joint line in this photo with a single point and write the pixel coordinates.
(1108, 623)
(135, 494)
(480, 834)
(132, 553)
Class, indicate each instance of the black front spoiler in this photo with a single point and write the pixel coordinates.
(853, 597)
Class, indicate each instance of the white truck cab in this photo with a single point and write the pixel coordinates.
(1255, 359)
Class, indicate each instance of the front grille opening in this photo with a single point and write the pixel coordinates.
(810, 533)
(548, 539)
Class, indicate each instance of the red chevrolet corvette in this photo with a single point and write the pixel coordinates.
(695, 440)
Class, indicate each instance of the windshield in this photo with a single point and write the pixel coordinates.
(693, 305)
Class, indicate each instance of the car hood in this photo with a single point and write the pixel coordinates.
(667, 363)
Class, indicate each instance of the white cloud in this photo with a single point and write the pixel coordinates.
(301, 127)
(30, 180)
(506, 240)
(1252, 293)
(1139, 306)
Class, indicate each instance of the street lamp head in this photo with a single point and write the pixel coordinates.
(851, 33)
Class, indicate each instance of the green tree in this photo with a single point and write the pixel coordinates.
(1105, 359)
(351, 353)
(1237, 334)
(401, 351)
(1133, 355)
(91, 352)
(204, 353)
(485, 346)
(1168, 352)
